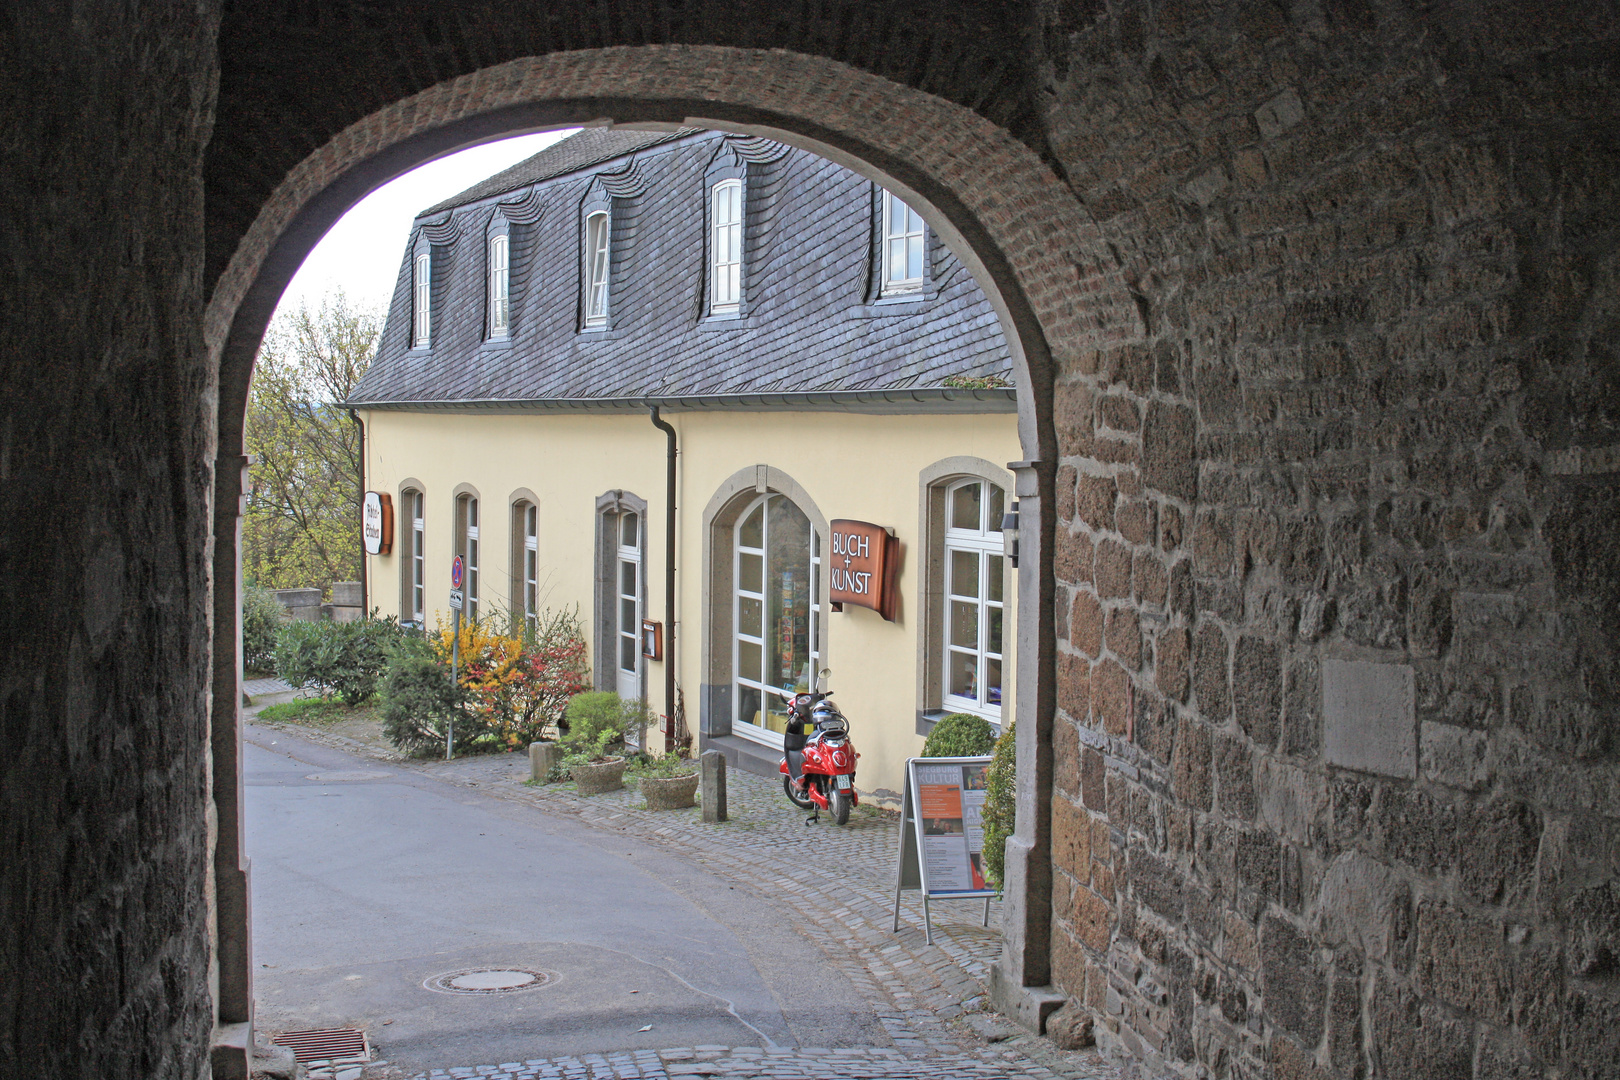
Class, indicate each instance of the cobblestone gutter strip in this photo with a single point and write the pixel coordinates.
(842, 881)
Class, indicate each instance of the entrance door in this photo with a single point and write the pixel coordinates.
(777, 571)
(628, 579)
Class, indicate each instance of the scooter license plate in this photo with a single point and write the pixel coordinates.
(842, 782)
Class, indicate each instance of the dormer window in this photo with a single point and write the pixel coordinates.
(725, 211)
(422, 300)
(596, 269)
(499, 287)
(904, 252)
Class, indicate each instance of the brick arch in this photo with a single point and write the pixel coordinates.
(1036, 252)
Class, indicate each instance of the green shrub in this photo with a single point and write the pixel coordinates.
(597, 723)
(1000, 804)
(662, 767)
(960, 735)
(419, 702)
(261, 621)
(342, 659)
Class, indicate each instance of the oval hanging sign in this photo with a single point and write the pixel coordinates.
(377, 522)
(455, 572)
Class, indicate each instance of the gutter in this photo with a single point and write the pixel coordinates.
(669, 574)
(921, 400)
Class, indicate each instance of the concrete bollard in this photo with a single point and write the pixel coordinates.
(713, 764)
(542, 756)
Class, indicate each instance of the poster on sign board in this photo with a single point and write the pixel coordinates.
(942, 834)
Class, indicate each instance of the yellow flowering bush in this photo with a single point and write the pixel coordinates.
(516, 686)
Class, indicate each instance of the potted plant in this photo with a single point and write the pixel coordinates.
(593, 749)
(669, 782)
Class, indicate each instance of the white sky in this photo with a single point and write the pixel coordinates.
(361, 253)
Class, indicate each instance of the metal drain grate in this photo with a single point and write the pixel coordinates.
(325, 1044)
(501, 980)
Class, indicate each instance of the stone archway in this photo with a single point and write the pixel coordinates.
(1017, 227)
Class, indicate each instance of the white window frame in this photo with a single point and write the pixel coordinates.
(500, 301)
(903, 232)
(598, 250)
(747, 728)
(467, 545)
(528, 515)
(725, 247)
(416, 582)
(422, 300)
(986, 543)
(627, 639)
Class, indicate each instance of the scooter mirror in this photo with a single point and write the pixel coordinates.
(821, 679)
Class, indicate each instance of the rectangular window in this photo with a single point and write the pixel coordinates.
(974, 602)
(416, 582)
(596, 269)
(422, 294)
(499, 285)
(726, 212)
(531, 565)
(467, 548)
(903, 249)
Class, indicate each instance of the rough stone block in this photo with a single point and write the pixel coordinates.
(1192, 765)
(1086, 624)
(1369, 717)
(1296, 992)
(542, 756)
(348, 594)
(1496, 851)
(1454, 756)
(1172, 657)
(1359, 902)
(1211, 681)
(1257, 689)
(1169, 450)
(1071, 840)
(1413, 1040)
(1460, 959)
(712, 785)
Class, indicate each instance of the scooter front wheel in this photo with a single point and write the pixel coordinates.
(840, 806)
(797, 795)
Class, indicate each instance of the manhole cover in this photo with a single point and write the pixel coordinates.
(499, 980)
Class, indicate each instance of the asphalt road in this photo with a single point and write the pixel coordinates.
(368, 881)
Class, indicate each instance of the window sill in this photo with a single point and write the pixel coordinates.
(926, 719)
(908, 303)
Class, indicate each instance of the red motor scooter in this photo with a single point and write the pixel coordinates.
(818, 767)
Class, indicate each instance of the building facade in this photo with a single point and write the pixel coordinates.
(780, 344)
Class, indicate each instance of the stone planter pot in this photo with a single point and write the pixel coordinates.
(595, 779)
(669, 792)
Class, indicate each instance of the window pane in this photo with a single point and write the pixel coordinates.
(914, 257)
(964, 573)
(965, 507)
(627, 579)
(964, 624)
(751, 573)
(994, 573)
(629, 525)
(992, 618)
(627, 653)
(787, 595)
(992, 682)
(964, 675)
(748, 705)
(897, 259)
(627, 616)
(750, 661)
(995, 509)
(750, 614)
(752, 532)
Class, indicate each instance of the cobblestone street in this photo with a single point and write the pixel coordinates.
(930, 999)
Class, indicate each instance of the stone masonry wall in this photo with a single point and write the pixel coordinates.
(1360, 462)
(105, 459)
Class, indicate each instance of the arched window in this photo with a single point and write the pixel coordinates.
(499, 287)
(627, 582)
(974, 599)
(725, 275)
(526, 561)
(904, 253)
(467, 548)
(413, 567)
(597, 236)
(422, 302)
(621, 593)
(776, 612)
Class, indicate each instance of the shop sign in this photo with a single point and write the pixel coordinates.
(377, 522)
(862, 567)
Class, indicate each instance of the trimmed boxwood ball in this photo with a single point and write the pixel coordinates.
(1000, 805)
(960, 735)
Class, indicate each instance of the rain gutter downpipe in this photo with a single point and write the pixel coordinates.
(365, 568)
(669, 576)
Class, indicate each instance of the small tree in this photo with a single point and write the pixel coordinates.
(261, 622)
(1000, 804)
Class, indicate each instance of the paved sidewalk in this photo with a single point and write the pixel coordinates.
(931, 1000)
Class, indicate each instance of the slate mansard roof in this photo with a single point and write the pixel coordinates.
(812, 332)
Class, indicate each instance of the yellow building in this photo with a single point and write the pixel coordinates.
(814, 356)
